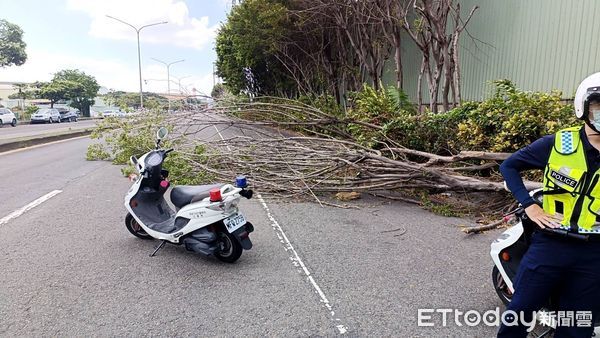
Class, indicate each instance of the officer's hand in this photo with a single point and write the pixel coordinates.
(541, 218)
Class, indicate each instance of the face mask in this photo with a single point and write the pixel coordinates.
(595, 120)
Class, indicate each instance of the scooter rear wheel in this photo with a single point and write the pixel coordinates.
(230, 248)
(132, 225)
(500, 286)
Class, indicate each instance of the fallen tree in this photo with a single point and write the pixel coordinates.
(291, 149)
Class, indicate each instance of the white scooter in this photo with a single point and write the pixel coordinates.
(508, 250)
(207, 220)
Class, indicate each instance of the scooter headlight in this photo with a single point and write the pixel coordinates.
(154, 159)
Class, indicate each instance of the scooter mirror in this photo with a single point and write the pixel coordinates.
(162, 133)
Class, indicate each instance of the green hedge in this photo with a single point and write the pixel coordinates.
(508, 121)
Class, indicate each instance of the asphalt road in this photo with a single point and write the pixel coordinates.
(32, 130)
(70, 268)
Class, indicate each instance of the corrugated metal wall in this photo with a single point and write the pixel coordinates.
(538, 44)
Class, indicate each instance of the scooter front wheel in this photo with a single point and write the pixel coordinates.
(229, 249)
(132, 225)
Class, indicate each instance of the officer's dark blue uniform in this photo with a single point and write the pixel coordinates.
(552, 265)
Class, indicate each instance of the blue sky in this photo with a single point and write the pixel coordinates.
(63, 34)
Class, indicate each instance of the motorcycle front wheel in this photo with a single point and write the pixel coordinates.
(132, 225)
(229, 249)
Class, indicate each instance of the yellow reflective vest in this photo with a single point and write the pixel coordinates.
(569, 188)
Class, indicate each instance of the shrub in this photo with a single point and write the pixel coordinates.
(30, 110)
(508, 121)
(389, 109)
(512, 119)
(324, 102)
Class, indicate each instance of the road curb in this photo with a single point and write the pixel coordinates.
(79, 119)
(32, 141)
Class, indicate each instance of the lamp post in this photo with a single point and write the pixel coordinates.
(137, 31)
(168, 65)
(179, 81)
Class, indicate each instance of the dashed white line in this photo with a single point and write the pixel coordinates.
(297, 261)
(221, 136)
(29, 206)
(295, 258)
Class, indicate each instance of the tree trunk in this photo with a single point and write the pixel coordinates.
(448, 78)
(420, 86)
(457, 93)
(446, 90)
(398, 60)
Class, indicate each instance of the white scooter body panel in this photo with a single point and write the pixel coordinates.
(509, 237)
(506, 239)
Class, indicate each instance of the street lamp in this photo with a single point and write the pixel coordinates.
(137, 31)
(179, 81)
(168, 65)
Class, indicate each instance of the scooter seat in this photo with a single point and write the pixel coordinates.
(185, 194)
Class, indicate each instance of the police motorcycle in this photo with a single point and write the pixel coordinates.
(206, 220)
(510, 247)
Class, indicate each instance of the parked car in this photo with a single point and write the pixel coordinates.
(47, 115)
(113, 113)
(68, 115)
(109, 113)
(7, 117)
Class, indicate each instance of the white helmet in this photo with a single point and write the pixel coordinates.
(587, 90)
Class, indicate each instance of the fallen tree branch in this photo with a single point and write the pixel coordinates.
(480, 228)
(291, 150)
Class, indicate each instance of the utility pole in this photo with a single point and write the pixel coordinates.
(137, 31)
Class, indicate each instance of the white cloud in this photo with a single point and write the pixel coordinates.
(182, 29)
(41, 66)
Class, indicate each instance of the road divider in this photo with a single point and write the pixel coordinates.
(28, 141)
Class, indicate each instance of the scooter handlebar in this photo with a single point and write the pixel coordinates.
(565, 233)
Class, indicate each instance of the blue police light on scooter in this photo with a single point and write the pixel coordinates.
(241, 181)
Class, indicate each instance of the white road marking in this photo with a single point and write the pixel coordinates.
(294, 257)
(29, 206)
(41, 145)
(221, 136)
(297, 262)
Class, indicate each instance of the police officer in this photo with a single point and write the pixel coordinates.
(571, 201)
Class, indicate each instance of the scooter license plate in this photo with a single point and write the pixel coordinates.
(234, 222)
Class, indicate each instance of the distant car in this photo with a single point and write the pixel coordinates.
(109, 113)
(7, 117)
(47, 115)
(68, 115)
